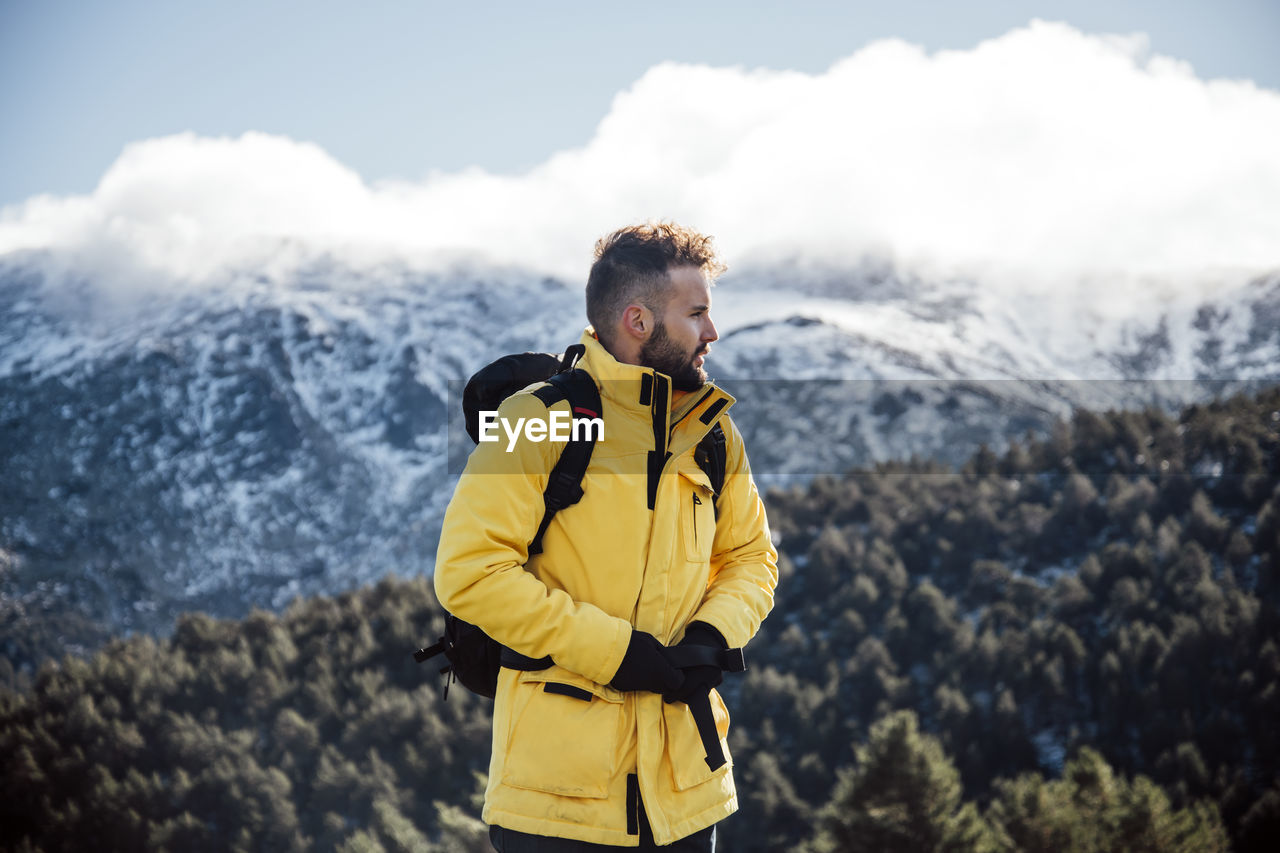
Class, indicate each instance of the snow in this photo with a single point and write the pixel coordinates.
(326, 352)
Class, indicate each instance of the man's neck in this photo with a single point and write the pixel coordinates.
(620, 353)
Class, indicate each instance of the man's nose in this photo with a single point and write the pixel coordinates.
(709, 333)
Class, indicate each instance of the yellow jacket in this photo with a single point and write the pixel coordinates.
(560, 763)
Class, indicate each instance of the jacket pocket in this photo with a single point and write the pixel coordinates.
(684, 747)
(698, 516)
(564, 734)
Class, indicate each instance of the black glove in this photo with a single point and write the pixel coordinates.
(644, 667)
(698, 680)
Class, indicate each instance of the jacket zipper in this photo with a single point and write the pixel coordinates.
(697, 502)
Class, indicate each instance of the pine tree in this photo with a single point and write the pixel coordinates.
(1091, 808)
(902, 794)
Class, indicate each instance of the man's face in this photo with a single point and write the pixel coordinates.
(683, 332)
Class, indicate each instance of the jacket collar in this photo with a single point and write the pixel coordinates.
(641, 389)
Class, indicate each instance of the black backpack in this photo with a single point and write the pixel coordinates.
(474, 658)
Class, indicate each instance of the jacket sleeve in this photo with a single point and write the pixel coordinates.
(484, 543)
(744, 563)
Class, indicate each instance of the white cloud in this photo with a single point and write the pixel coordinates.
(1045, 152)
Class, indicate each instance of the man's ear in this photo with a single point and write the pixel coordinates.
(637, 322)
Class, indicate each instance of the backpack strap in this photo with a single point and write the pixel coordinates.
(571, 357)
(711, 455)
(564, 488)
(693, 654)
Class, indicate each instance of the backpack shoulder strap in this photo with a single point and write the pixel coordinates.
(711, 455)
(564, 488)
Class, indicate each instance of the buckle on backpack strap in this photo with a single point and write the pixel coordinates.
(562, 491)
(732, 660)
(429, 652)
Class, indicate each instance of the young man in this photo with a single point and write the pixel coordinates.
(601, 749)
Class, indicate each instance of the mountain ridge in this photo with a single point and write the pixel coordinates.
(236, 447)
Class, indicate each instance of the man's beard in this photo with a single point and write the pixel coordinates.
(664, 355)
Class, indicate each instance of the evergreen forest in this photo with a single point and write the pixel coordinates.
(1073, 644)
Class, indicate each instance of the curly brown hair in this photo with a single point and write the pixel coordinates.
(631, 265)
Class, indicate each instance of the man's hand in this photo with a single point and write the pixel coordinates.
(645, 668)
(698, 680)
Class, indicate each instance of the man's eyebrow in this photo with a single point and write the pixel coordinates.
(700, 308)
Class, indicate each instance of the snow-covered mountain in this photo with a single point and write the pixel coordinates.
(272, 437)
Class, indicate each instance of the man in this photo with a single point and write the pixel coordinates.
(601, 749)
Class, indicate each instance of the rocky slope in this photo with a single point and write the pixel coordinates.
(241, 445)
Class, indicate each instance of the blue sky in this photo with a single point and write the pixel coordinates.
(401, 89)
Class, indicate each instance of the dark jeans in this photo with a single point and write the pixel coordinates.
(510, 841)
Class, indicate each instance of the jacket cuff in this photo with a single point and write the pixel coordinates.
(599, 660)
(704, 634)
(726, 616)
